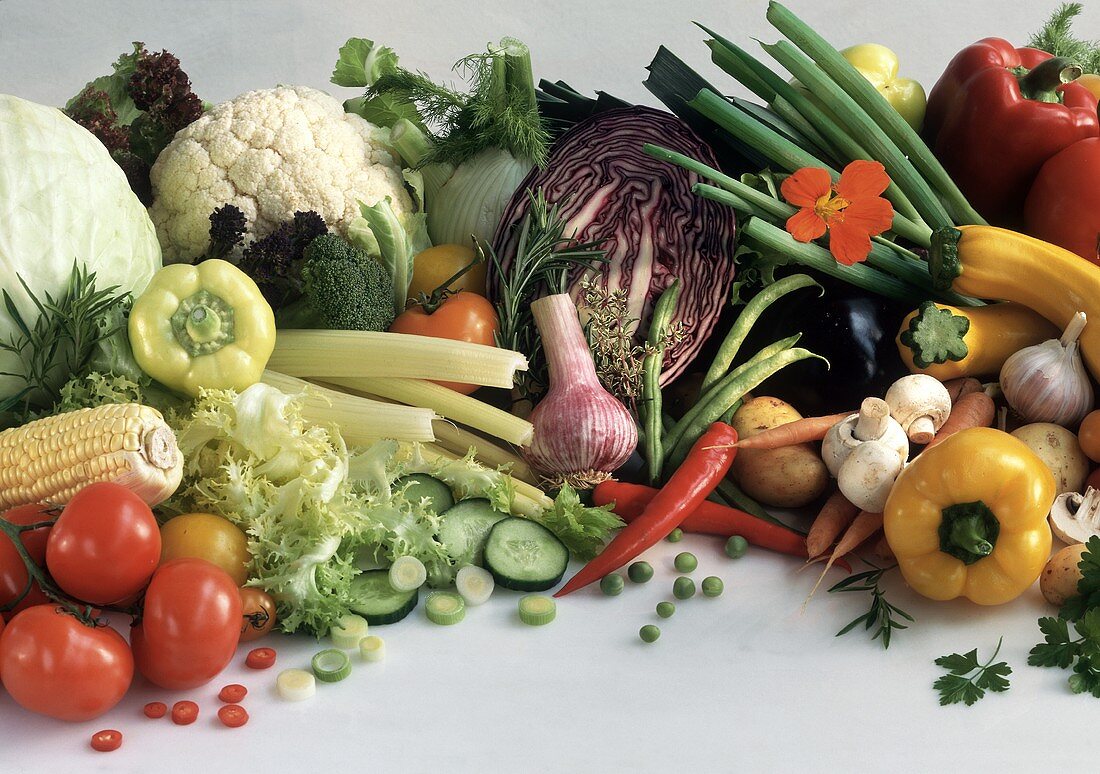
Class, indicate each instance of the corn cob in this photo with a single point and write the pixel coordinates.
(51, 459)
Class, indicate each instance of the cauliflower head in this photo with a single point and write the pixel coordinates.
(271, 153)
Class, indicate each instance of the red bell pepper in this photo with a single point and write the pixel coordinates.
(1063, 207)
(993, 122)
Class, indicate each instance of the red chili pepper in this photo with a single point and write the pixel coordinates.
(709, 518)
(108, 740)
(232, 693)
(184, 713)
(233, 715)
(705, 466)
(155, 709)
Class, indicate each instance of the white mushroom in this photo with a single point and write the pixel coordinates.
(921, 404)
(868, 475)
(872, 423)
(1075, 517)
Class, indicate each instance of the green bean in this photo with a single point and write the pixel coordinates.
(685, 561)
(712, 586)
(665, 609)
(612, 585)
(683, 588)
(727, 351)
(675, 536)
(649, 633)
(736, 547)
(663, 311)
(640, 572)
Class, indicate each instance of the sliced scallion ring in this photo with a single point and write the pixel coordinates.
(331, 665)
(348, 631)
(295, 684)
(445, 608)
(475, 584)
(372, 648)
(537, 610)
(407, 573)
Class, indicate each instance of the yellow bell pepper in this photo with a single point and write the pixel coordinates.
(879, 65)
(202, 326)
(968, 517)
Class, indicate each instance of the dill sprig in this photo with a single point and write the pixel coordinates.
(880, 616)
(1057, 38)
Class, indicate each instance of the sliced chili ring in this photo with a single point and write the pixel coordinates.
(184, 713)
(233, 715)
(155, 709)
(232, 693)
(107, 740)
(260, 658)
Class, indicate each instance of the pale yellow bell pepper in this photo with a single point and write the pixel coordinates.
(879, 65)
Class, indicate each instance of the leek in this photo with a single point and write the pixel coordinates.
(326, 354)
(455, 439)
(360, 421)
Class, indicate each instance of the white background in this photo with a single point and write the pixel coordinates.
(740, 683)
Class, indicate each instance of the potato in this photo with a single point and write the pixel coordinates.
(1057, 447)
(1059, 579)
(789, 477)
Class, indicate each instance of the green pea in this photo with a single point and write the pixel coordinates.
(712, 586)
(675, 536)
(736, 547)
(685, 562)
(665, 609)
(683, 588)
(612, 585)
(640, 572)
(649, 633)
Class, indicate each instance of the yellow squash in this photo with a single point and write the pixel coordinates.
(968, 518)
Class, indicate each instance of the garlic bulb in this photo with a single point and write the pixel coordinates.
(1047, 382)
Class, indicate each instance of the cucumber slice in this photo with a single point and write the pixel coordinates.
(464, 528)
(474, 584)
(421, 485)
(407, 573)
(376, 600)
(524, 555)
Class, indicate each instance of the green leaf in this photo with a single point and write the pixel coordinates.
(1058, 650)
(383, 109)
(994, 677)
(361, 63)
(116, 86)
(959, 665)
(955, 689)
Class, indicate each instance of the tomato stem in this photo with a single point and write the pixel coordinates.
(431, 302)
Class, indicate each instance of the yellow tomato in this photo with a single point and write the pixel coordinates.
(1091, 81)
(436, 265)
(209, 537)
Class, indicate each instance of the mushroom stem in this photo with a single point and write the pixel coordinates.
(922, 430)
(1090, 508)
(874, 416)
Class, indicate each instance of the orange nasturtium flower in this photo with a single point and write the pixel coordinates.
(851, 211)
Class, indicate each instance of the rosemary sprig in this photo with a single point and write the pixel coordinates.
(61, 341)
(880, 616)
(545, 257)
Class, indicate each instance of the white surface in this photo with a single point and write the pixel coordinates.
(742, 682)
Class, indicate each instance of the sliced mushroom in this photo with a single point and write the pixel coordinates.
(1075, 517)
(868, 475)
(872, 423)
(921, 404)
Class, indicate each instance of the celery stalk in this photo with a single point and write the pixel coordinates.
(860, 89)
(455, 439)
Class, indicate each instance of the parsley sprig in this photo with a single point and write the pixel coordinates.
(880, 615)
(967, 679)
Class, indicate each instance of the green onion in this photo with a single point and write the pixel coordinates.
(675, 536)
(683, 588)
(649, 633)
(372, 648)
(407, 573)
(665, 609)
(736, 547)
(296, 684)
(348, 631)
(640, 572)
(330, 665)
(612, 585)
(537, 610)
(685, 562)
(444, 608)
(712, 586)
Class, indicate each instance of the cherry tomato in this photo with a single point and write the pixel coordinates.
(232, 693)
(190, 626)
(13, 571)
(463, 317)
(260, 658)
(155, 709)
(210, 537)
(258, 611)
(108, 740)
(53, 664)
(1088, 435)
(105, 544)
(184, 713)
(436, 265)
(233, 715)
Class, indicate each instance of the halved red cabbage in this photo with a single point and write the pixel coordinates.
(644, 213)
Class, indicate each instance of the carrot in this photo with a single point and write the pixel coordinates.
(965, 385)
(835, 515)
(792, 433)
(975, 409)
(864, 526)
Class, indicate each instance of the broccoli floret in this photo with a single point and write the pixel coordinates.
(345, 289)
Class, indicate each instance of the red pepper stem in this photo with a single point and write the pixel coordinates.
(1041, 82)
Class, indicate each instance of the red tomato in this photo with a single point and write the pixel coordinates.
(184, 713)
(106, 741)
(463, 317)
(260, 658)
(190, 626)
(1063, 206)
(1093, 480)
(258, 613)
(105, 544)
(13, 571)
(233, 715)
(155, 709)
(53, 664)
(232, 693)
